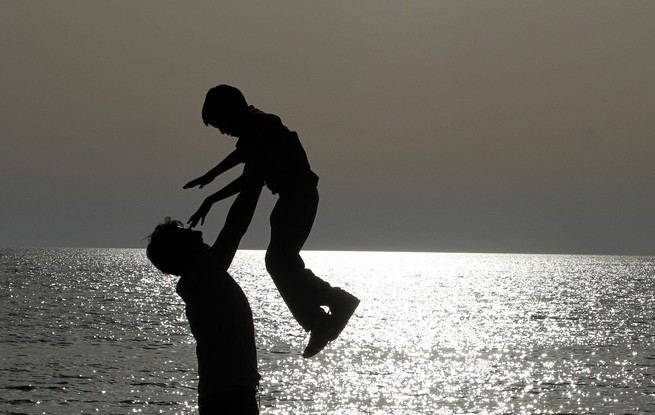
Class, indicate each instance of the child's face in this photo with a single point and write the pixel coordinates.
(227, 124)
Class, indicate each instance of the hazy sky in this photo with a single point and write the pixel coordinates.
(475, 126)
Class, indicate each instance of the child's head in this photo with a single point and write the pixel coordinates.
(225, 108)
(171, 247)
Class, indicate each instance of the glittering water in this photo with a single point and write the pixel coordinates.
(101, 331)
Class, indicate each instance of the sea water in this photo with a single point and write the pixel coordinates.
(101, 331)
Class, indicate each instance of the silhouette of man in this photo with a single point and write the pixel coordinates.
(217, 310)
(273, 155)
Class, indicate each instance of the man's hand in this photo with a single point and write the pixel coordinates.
(200, 214)
(200, 181)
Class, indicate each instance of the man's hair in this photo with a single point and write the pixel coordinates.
(164, 248)
(223, 99)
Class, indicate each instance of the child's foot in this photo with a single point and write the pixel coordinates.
(342, 306)
(318, 337)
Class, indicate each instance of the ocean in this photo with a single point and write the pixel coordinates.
(100, 331)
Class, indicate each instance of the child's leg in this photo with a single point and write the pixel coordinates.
(303, 292)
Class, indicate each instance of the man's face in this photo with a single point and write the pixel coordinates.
(190, 237)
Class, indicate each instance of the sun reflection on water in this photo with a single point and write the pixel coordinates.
(434, 334)
(455, 333)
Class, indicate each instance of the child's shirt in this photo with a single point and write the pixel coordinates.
(276, 153)
(221, 323)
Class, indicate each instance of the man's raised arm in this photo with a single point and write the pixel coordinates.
(236, 223)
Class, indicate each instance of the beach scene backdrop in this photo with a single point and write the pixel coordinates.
(486, 182)
(102, 331)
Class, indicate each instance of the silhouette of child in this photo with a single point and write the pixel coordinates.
(217, 310)
(272, 155)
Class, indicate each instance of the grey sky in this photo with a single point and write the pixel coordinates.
(479, 126)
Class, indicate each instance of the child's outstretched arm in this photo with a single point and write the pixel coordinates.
(228, 162)
(250, 177)
(229, 190)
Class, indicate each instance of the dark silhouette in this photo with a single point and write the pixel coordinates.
(273, 155)
(216, 307)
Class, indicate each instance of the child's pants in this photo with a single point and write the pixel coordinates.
(291, 221)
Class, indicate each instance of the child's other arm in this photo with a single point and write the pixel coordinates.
(228, 162)
(229, 190)
(249, 178)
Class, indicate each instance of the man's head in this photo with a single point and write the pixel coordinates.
(171, 247)
(225, 108)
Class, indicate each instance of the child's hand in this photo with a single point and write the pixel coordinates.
(200, 214)
(200, 181)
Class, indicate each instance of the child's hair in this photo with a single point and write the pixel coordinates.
(164, 249)
(223, 99)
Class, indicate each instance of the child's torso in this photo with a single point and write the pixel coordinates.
(277, 153)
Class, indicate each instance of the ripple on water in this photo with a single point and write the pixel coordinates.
(435, 333)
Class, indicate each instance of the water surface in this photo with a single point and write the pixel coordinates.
(101, 331)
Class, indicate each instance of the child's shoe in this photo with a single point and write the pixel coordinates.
(342, 306)
(318, 337)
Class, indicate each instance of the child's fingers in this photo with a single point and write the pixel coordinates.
(192, 221)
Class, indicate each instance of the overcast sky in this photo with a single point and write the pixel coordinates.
(465, 126)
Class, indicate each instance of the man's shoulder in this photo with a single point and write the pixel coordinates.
(202, 290)
(208, 264)
(203, 274)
